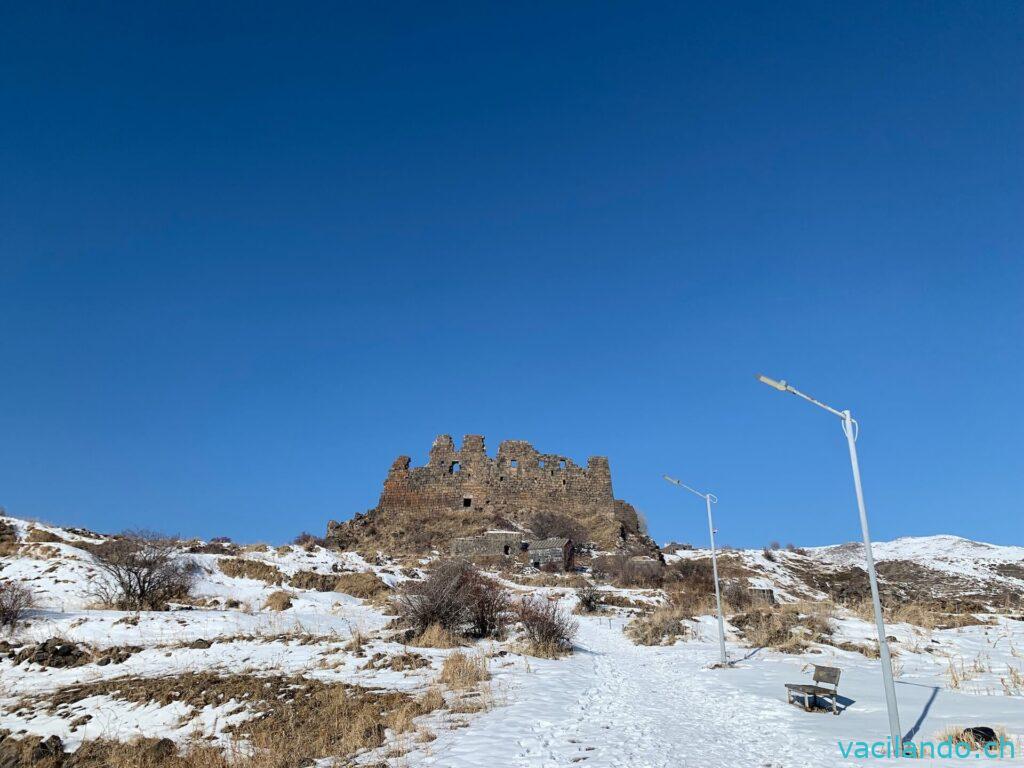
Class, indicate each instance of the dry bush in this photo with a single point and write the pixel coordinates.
(279, 601)
(488, 607)
(549, 630)
(242, 568)
(456, 597)
(662, 626)
(308, 541)
(366, 586)
(142, 571)
(464, 670)
(16, 600)
(440, 599)
(588, 599)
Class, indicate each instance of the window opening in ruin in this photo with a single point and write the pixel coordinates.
(454, 468)
(542, 464)
(514, 463)
(467, 502)
(508, 549)
(561, 464)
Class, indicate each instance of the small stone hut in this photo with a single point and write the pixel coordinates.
(497, 544)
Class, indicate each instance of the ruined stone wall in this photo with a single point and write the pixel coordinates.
(512, 487)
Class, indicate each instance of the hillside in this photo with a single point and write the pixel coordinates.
(234, 664)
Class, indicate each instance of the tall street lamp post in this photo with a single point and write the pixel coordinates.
(709, 499)
(851, 429)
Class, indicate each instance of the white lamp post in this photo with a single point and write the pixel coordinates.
(709, 499)
(851, 429)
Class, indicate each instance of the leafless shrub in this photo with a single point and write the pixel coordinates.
(442, 598)
(550, 630)
(142, 571)
(16, 600)
(769, 554)
(588, 598)
(456, 597)
(308, 541)
(488, 606)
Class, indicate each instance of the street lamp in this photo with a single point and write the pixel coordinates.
(851, 429)
(709, 499)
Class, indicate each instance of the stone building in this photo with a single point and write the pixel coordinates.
(556, 553)
(463, 492)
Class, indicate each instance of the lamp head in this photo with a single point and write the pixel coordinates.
(779, 385)
(672, 480)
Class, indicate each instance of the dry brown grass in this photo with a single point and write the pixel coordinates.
(296, 720)
(662, 626)
(958, 734)
(788, 628)
(242, 568)
(927, 615)
(316, 582)
(461, 671)
(39, 536)
(278, 601)
(366, 586)
(436, 636)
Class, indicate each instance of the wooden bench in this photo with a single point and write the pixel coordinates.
(826, 675)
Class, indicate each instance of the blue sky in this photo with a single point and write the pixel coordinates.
(248, 256)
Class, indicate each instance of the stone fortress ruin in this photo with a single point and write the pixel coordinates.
(464, 493)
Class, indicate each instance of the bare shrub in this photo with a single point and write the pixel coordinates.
(456, 597)
(142, 571)
(464, 670)
(442, 598)
(16, 600)
(549, 630)
(768, 554)
(553, 525)
(308, 541)
(488, 606)
(588, 599)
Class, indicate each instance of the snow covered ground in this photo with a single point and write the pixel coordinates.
(610, 704)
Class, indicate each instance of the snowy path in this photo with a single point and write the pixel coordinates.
(646, 709)
(616, 705)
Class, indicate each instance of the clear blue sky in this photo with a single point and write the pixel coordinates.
(250, 254)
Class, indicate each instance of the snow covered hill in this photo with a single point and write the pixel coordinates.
(197, 673)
